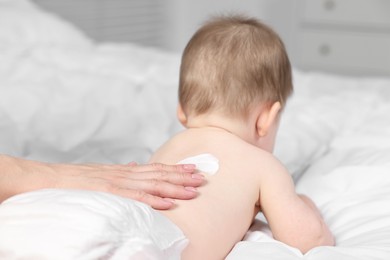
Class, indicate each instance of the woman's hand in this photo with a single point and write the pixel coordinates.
(156, 184)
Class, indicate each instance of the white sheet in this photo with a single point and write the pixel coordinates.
(65, 98)
(74, 224)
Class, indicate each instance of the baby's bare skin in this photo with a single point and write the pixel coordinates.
(226, 204)
(248, 179)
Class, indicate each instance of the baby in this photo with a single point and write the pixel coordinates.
(235, 78)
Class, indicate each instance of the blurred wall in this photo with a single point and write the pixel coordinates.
(168, 24)
(185, 16)
(326, 35)
(338, 36)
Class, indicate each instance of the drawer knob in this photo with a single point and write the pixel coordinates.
(324, 49)
(329, 5)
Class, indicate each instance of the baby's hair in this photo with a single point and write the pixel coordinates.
(231, 63)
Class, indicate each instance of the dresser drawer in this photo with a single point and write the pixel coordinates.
(341, 52)
(365, 13)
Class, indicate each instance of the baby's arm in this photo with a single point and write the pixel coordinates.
(294, 219)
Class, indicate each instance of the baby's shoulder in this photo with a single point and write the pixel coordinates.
(254, 153)
(261, 162)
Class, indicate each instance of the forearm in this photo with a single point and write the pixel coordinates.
(293, 218)
(18, 176)
(297, 222)
(322, 232)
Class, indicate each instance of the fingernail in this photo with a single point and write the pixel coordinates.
(197, 176)
(193, 189)
(189, 167)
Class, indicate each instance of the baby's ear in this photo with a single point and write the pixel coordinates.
(181, 115)
(268, 117)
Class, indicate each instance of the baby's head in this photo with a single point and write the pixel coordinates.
(232, 63)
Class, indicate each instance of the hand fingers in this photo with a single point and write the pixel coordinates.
(182, 179)
(153, 201)
(158, 195)
(118, 173)
(182, 168)
(183, 174)
(160, 188)
(151, 183)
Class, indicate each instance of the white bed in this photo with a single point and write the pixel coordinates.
(64, 98)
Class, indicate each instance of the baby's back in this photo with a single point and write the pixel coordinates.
(227, 203)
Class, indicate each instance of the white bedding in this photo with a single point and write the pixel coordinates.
(73, 224)
(65, 98)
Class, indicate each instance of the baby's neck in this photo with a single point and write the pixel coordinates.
(240, 128)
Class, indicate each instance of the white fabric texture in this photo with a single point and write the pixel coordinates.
(64, 98)
(21, 23)
(73, 224)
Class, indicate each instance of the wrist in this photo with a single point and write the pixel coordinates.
(20, 175)
(10, 176)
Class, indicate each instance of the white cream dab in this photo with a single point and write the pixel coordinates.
(204, 162)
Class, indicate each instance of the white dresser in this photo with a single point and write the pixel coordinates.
(343, 36)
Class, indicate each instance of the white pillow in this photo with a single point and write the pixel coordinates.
(75, 224)
(22, 22)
